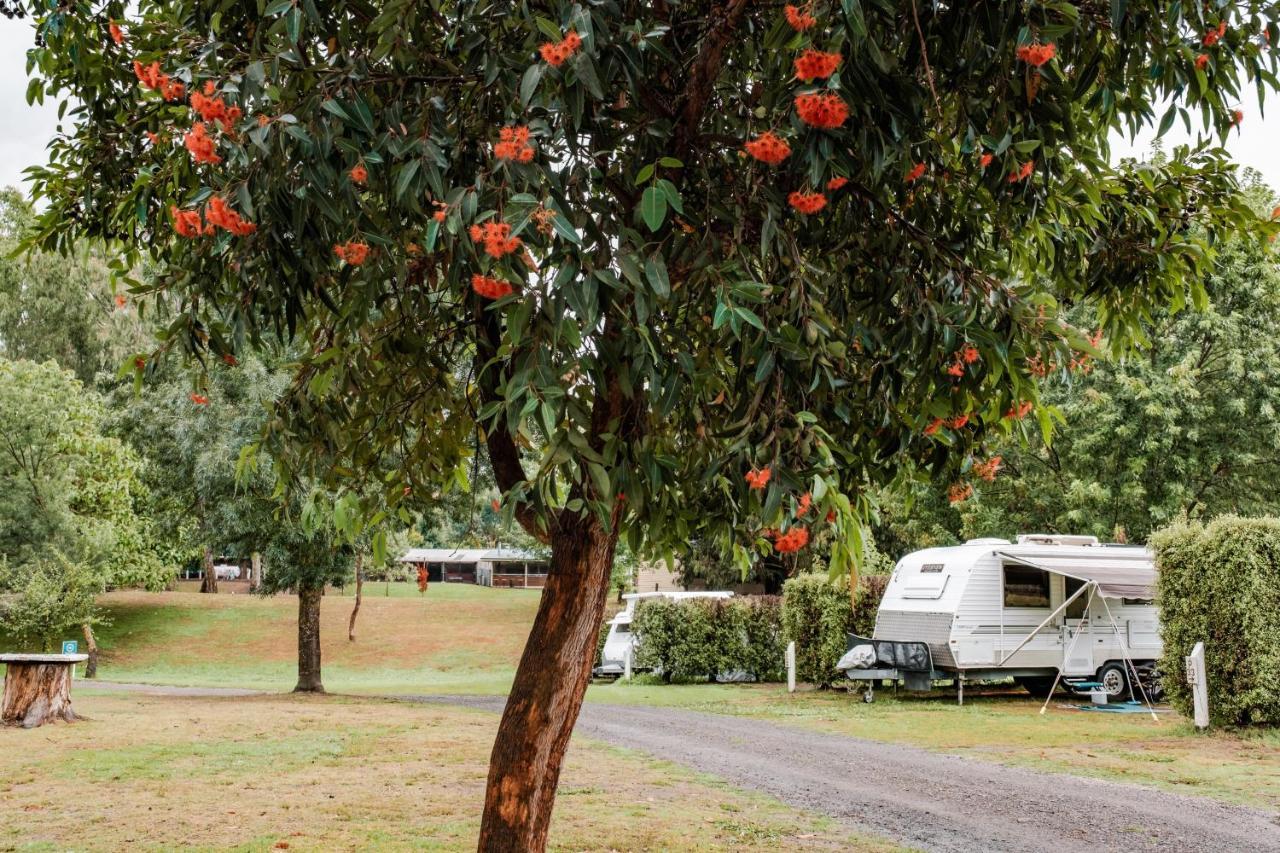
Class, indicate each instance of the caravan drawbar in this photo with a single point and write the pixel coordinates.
(1043, 608)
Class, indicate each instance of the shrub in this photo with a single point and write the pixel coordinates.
(818, 615)
(703, 637)
(1220, 584)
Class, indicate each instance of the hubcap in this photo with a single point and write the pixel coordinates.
(1113, 682)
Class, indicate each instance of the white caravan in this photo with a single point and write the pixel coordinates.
(1043, 608)
(621, 642)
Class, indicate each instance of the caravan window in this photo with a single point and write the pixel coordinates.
(1025, 586)
(1075, 610)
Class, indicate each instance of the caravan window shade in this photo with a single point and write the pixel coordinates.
(1117, 575)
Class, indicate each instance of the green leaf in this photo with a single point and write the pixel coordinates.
(406, 177)
(643, 175)
(276, 7)
(671, 163)
(529, 82)
(672, 194)
(653, 207)
(334, 107)
(655, 270)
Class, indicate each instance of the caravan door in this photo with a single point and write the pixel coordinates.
(1078, 631)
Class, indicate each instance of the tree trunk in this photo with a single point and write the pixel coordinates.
(351, 626)
(210, 583)
(91, 649)
(309, 640)
(35, 694)
(524, 768)
(255, 571)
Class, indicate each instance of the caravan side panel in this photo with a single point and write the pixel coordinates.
(931, 628)
(920, 600)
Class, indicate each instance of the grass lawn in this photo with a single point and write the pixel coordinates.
(1005, 725)
(330, 773)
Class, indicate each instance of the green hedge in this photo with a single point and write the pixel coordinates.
(818, 615)
(1220, 584)
(702, 637)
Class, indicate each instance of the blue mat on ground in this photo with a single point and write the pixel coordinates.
(1118, 708)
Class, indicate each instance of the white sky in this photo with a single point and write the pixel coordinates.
(25, 130)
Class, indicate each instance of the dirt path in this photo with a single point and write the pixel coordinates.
(924, 799)
(919, 798)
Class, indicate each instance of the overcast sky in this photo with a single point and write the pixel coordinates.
(24, 130)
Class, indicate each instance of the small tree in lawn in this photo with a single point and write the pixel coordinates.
(673, 265)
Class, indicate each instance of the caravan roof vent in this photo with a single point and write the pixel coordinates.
(988, 541)
(1055, 539)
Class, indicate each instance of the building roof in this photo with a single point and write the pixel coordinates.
(466, 555)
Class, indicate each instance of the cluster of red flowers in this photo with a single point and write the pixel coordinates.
(758, 479)
(199, 399)
(804, 505)
(186, 222)
(837, 183)
(513, 145)
(959, 493)
(799, 19)
(1201, 61)
(768, 148)
(496, 237)
(220, 214)
(121, 301)
(1037, 54)
(1237, 116)
(556, 53)
(117, 34)
(1022, 173)
(202, 146)
(213, 109)
(359, 174)
(353, 252)
(934, 425)
(915, 174)
(791, 541)
(1020, 411)
(962, 357)
(1214, 36)
(151, 77)
(985, 160)
(490, 288)
(822, 109)
(987, 470)
(816, 65)
(807, 202)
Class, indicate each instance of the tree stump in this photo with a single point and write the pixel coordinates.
(37, 689)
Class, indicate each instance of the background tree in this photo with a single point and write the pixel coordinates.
(674, 248)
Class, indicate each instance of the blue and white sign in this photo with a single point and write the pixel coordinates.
(70, 647)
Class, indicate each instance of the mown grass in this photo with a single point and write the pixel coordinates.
(330, 773)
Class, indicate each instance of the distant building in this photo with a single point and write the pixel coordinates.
(656, 577)
(504, 567)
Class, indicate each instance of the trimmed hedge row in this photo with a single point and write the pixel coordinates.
(1220, 584)
(818, 615)
(705, 637)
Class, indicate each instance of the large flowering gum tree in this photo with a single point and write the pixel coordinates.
(682, 268)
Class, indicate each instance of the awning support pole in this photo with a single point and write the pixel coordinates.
(1046, 621)
(1124, 652)
(1066, 657)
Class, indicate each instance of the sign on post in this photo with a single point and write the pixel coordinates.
(626, 665)
(791, 667)
(70, 647)
(1198, 679)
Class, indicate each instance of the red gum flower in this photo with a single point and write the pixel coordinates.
(837, 183)
(201, 144)
(934, 425)
(969, 354)
(1214, 36)
(117, 35)
(1022, 173)
(1237, 117)
(219, 213)
(1037, 54)
(556, 53)
(802, 508)
(914, 174)
(824, 110)
(185, 222)
(958, 421)
(955, 369)
(1202, 61)
(768, 148)
(199, 399)
(121, 301)
(985, 159)
(791, 541)
(799, 19)
(490, 288)
(959, 493)
(816, 65)
(807, 203)
(987, 470)
(496, 237)
(359, 174)
(213, 109)
(439, 215)
(151, 78)
(758, 479)
(353, 252)
(831, 516)
(513, 145)
(1019, 411)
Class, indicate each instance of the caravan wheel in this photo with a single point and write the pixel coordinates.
(1113, 680)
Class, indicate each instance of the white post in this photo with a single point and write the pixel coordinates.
(791, 667)
(626, 665)
(1199, 682)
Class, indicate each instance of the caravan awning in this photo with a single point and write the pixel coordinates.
(1116, 575)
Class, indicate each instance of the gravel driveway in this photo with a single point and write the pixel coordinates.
(924, 799)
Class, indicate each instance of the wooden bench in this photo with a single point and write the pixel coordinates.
(37, 689)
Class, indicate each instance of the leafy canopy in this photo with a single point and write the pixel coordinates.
(669, 319)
